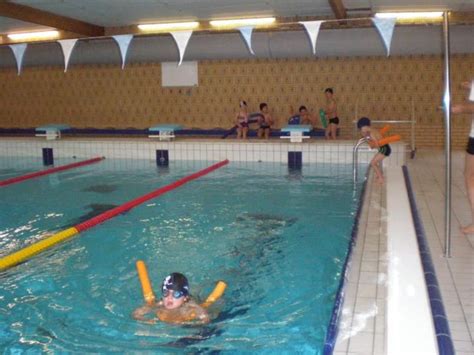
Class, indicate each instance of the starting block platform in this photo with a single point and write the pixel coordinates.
(296, 132)
(51, 131)
(165, 131)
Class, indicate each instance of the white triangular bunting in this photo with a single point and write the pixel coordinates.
(123, 42)
(67, 46)
(181, 38)
(246, 32)
(312, 28)
(385, 26)
(18, 51)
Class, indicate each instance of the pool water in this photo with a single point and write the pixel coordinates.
(279, 239)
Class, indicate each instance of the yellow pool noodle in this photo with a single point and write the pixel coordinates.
(215, 294)
(148, 294)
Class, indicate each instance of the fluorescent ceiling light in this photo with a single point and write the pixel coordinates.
(242, 22)
(33, 35)
(410, 15)
(169, 26)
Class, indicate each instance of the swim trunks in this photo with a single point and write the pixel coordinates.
(385, 150)
(334, 120)
(470, 146)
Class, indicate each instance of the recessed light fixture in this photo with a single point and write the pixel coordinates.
(410, 15)
(25, 36)
(150, 27)
(243, 22)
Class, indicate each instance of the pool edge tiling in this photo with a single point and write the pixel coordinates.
(362, 324)
(273, 150)
(332, 332)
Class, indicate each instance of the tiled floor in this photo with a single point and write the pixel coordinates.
(362, 329)
(455, 274)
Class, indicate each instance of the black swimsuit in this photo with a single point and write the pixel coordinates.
(470, 146)
(334, 120)
(385, 150)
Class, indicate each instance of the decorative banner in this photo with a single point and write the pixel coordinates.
(123, 42)
(181, 38)
(246, 32)
(385, 26)
(18, 52)
(67, 45)
(312, 28)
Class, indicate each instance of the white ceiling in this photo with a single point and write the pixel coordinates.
(109, 13)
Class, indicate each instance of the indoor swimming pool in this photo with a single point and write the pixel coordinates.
(278, 237)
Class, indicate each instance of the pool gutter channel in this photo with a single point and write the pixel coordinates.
(333, 327)
(440, 320)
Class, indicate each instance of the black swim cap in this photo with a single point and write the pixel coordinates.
(363, 121)
(176, 282)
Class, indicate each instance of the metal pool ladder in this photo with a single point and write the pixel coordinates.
(355, 150)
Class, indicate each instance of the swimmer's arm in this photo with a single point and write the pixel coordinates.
(466, 85)
(462, 108)
(374, 137)
(141, 312)
(201, 314)
(269, 119)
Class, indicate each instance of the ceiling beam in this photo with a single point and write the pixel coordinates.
(44, 18)
(338, 8)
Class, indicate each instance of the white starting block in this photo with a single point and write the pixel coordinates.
(52, 131)
(165, 131)
(296, 132)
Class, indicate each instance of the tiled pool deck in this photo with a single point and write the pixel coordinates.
(362, 329)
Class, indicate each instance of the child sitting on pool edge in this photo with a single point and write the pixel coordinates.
(176, 305)
(373, 136)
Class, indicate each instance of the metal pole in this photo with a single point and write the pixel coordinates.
(413, 120)
(447, 118)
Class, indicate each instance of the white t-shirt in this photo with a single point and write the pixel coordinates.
(471, 98)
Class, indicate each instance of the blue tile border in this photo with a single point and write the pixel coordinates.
(443, 334)
(333, 327)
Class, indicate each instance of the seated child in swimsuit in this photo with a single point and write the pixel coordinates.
(242, 121)
(265, 121)
(176, 305)
(302, 117)
(373, 135)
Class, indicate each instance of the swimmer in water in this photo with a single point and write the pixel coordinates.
(176, 305)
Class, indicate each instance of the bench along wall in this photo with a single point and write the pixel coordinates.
(104, 96)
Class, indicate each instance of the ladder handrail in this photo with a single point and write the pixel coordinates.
(355, 156)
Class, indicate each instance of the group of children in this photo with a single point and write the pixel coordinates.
(265, 120)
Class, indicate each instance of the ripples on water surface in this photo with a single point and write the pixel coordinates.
(278, 238)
